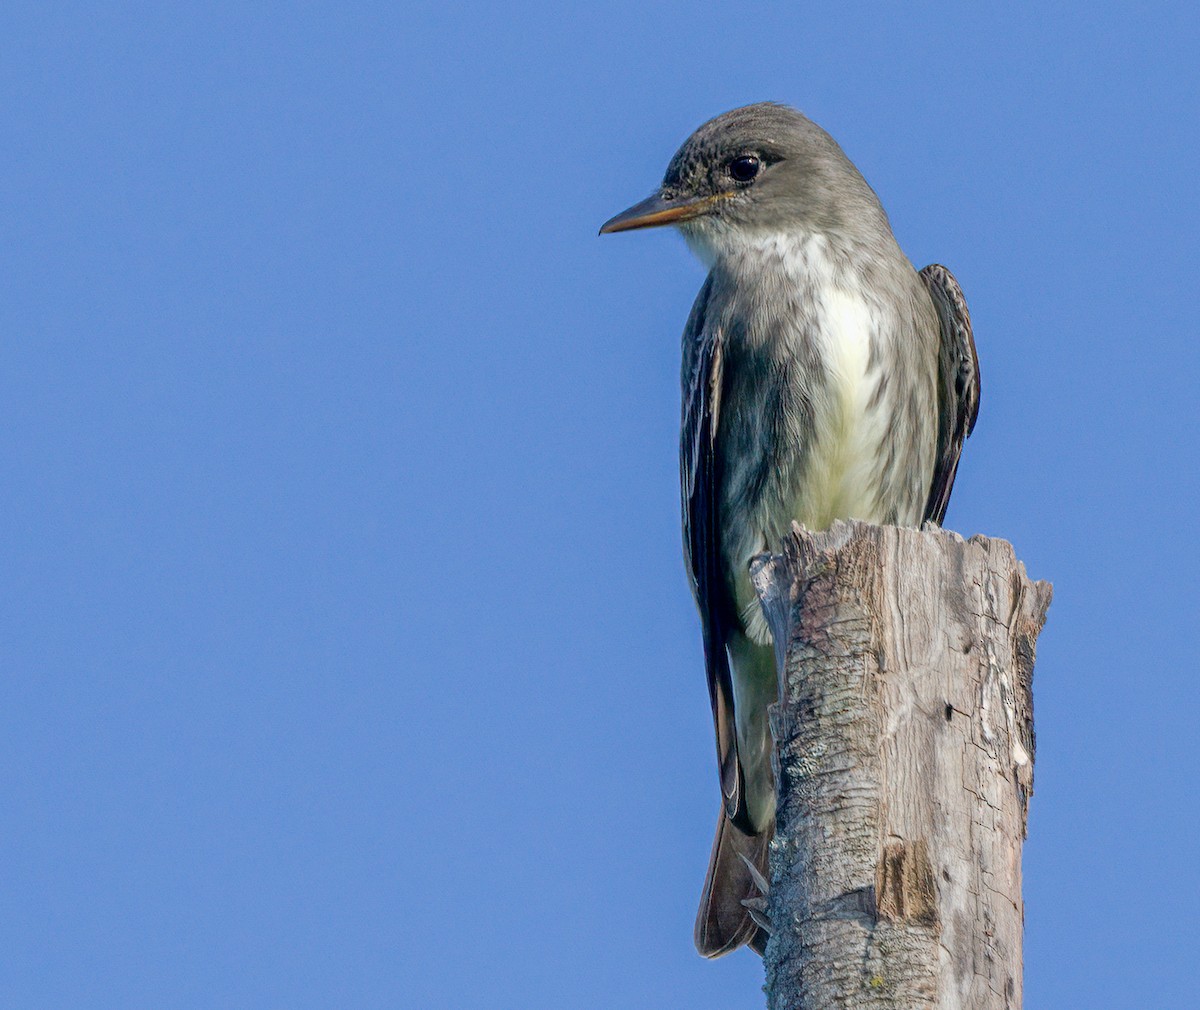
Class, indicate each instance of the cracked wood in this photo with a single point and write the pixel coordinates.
(905, 746)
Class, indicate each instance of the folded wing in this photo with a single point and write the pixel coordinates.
(958, 384)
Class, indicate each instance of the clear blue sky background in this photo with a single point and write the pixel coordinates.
(347, 655)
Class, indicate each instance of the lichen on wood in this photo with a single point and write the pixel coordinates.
(904, 738)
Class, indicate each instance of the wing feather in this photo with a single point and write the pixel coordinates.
(958, 384)
(699, 483)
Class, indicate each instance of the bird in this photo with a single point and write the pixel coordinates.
(823, 377)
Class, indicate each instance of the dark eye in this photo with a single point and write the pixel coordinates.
(745, 168)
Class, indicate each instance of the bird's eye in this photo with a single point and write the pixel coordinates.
(745, 168)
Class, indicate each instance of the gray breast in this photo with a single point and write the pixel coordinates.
(828, 398)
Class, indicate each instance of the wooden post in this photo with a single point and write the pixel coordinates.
(904, 736)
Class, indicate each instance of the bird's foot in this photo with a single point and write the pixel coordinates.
(757, 907)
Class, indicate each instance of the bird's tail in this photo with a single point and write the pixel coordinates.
(724, 923)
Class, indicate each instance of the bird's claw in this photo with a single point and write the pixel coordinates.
(756, 875)
(757, 907)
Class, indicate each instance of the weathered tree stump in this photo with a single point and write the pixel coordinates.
(904, 735)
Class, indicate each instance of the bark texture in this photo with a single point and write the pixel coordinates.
(904, 736)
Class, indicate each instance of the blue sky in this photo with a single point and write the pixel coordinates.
(348, 659)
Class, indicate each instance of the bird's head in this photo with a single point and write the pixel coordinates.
(758, 170)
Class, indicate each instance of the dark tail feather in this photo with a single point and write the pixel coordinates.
(724, 923)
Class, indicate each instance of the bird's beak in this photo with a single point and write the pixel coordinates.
(658, 210)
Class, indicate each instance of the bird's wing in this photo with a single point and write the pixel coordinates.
(699, 482)
(958, 384)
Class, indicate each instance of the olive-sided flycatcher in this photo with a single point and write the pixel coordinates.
(823, 378)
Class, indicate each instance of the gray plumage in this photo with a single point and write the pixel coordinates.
(823, 378)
